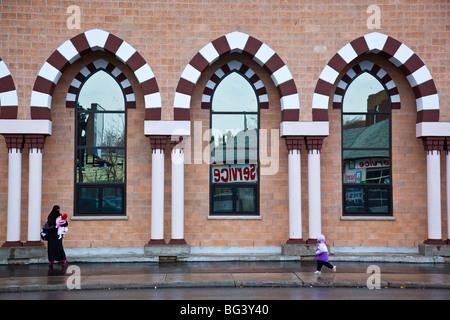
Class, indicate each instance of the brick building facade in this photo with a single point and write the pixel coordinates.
(169, 58)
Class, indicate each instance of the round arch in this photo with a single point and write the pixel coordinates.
(72, 49)
(255, 49)
(8, 93)
(399, 54)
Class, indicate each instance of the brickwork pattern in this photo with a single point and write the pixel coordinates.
(167, 36)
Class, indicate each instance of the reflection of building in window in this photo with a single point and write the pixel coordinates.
(366, 131)
(100, 146)
(234, 141)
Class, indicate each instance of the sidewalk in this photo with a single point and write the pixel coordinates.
(39, 277)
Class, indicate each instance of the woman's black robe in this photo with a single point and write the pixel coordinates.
(55, 247)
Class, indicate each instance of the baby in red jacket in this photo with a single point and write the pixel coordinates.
(62, 226)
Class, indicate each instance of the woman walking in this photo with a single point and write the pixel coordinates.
(55, 249)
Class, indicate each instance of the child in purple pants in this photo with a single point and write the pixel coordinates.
(322, 255)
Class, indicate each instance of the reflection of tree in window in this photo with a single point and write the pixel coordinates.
(366, 148)
(101, 145)
(234, 141)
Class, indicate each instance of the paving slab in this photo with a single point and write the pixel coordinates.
(266, 279)
(125, 281)
(411, 280)
(336, 279)
(199, 280)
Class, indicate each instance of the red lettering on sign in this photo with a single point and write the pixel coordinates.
(224, 179)
(216, 175)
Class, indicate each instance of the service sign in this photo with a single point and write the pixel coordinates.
(230, 173)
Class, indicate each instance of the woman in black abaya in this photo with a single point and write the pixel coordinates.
(55, 248)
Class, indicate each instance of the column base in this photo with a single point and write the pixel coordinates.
(435, 241)
(311, 241)
(177, 241)
(156, 242)
(434, 250)
(9, 244)
(295, 241)
(33, 244)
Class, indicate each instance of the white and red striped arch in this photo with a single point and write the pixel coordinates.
(71, 50)
(8, 93)
(255, 49)
(415, 70)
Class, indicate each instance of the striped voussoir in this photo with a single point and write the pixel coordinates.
(254, 79)
(374, 69)
(92, 67)
(72, 49)
(255, 49)
(8, 94)
(418, 75)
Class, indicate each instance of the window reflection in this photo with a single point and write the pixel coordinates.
(234, 141)
(101, 141)
(234, 94)
(101, 89)
(366, 130)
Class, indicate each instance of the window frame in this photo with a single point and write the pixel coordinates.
(367, 186)
(235, 185)
(100, 186)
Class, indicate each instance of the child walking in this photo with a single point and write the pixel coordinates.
(322, 255)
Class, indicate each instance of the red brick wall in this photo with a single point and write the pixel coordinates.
(168, 34)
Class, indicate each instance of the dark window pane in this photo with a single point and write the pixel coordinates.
(113, 200)
(88, 200)
(246, 200)
(378, 200)
(222, 199)
(354, 200)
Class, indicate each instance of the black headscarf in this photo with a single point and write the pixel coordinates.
(53, 216)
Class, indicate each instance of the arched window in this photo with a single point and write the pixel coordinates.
(100, 155)
(234, 147)
(366, 147)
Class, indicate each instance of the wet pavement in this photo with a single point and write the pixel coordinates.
(285, 274)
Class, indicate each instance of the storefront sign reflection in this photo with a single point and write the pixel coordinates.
(234, 173)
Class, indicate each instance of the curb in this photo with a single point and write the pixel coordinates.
(228, 280)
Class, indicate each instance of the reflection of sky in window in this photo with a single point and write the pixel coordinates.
(234, 94)
(101, 88)
(355, 99)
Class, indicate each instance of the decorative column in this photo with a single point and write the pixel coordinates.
(294, 146)
(158, 144)
(177, 192)
(314, 145)
(15, 144)
(35, 145)
(433, 146)
(447, 146)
